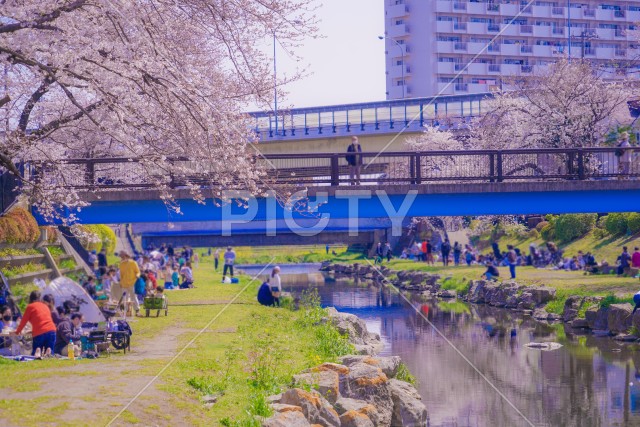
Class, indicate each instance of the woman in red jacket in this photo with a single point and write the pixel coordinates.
(42, 326)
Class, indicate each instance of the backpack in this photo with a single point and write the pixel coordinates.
(140, 287)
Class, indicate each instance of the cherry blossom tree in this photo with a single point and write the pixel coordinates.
(155, 80)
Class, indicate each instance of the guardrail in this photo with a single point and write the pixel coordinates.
(370, 117)
(332, 169)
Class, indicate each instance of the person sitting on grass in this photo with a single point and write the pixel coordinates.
(636, 301)
(175, 278)
(265, 297)
(66, 332)
(90, 287)
(187, 276)
(492, 272)
(38, 315)
(50, 302)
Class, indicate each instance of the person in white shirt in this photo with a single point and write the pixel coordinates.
(276, 285)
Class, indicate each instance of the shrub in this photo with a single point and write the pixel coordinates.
(18, 226)
(534, 234)
(633, 222)
(600, 233)
(571, 226)
(548, 232)
(96, 236)
(615, 223)
(516, 230)
(541, 225)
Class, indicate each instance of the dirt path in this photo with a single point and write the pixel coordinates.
(93, 393)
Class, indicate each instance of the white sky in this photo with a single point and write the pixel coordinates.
(347, 65)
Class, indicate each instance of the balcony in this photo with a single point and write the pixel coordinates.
(444, 47)
(558, 31)
(493, 68)
(510, 69)
(460, 26)
(540, 50)
(476, 8)
(605, 53)
(461, 87)
(526, 29)
(542, 31)
(460, 46)
(445, 89)
(493, 28)
(619, 14)
(509, 30)
(443, 6)
(526, 49)
(398, 11)
(444, 26)
(476, 27)
(510, 49)
(605, 33)
(493, 8)
(398, 31)
(445, 67)
(621, 53)
(589, 51)
(526, 10)
(459, 6)
(509, 9)
(478, 88)
(589, 13)
(620, 33)
(542, 11)
(557, 11)
(475, 48)
(526, 69)
(399, 71)
(460, 67)
(477, 69)
(494, 47)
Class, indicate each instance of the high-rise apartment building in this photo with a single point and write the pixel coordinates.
(430, 42)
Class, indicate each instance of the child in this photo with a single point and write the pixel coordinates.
(175, 278)
(168, 283)
(151, 280)
(160, 292)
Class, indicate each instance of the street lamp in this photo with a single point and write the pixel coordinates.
(403, 64)
(275, 82)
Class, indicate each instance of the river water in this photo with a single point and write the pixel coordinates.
(492, 379)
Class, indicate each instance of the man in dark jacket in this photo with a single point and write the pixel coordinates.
(354, 160)
(102, 262)
(66, 331)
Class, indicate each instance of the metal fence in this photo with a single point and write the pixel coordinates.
(392, 168)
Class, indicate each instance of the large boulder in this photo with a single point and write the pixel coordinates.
(590, 316)
(365, 342)
(619, 318)
(355, 419)
(477, 291)
(326, 382)
(408, 409)
(542, 294)
(635, 320)
(287, 419)
(571, 307)
(316, 409)
(389, 364)
(601, 319)
(345, 405)
(367, 382)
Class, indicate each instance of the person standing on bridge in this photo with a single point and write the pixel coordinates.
(624, 155)
(354, 160)
(229, 260)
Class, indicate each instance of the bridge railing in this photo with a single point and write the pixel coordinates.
(449, 112)
(332, 169)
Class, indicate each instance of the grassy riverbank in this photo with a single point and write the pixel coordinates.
(283, 254)
(246, 353)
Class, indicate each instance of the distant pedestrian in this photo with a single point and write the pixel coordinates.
(457, 251)
(429, 253)
(387, 249)
(635, 258)
(445, 249)
(512, 259)
(229, 261)
(623, 261)
(379, 253)
(276, 285)
(354, 160)
(624, 155)
(216, 259)
(327, 248)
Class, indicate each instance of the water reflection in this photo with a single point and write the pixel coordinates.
(588, 382)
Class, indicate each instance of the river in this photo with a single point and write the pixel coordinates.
(589, 381)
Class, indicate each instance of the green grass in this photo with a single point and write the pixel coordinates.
(67, 264)
(11, 252)
(56, 251)
(283, 254)
(30, 267)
